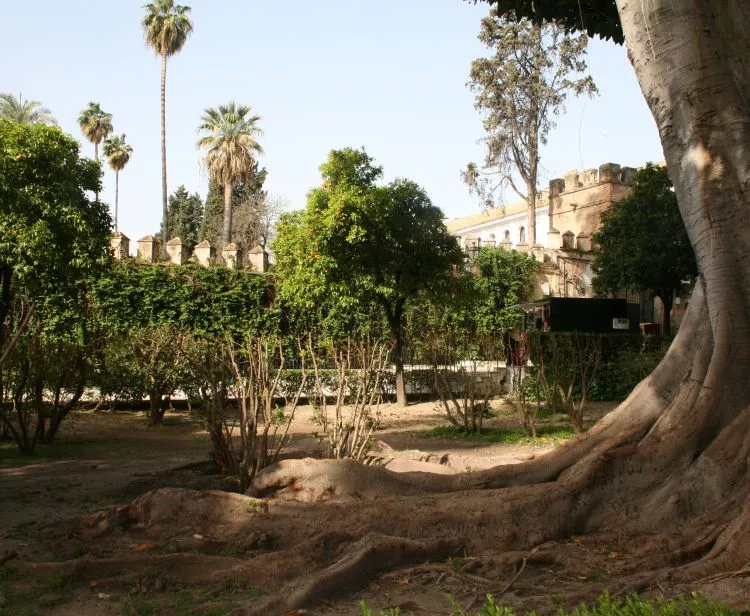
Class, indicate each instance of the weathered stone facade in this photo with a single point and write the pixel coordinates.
(178, 254)
(567, 214)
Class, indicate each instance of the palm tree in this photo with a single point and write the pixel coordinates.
(229, 136)
(24, 111)
(95, 125)
(166, 27)
(118, 154)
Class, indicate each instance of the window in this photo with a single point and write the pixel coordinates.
(522, 236)
(507, 236)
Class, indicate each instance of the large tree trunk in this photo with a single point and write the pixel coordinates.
(164, 202)
(673, 457)
(226, 236)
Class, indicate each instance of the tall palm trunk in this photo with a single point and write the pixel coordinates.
(226, 237)
(117, 199)
(164, 207)
(96, 156)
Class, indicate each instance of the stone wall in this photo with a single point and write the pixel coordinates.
(204, 254)
(577, 200)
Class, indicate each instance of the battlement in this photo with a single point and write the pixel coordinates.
(608, 173)
(178, 254)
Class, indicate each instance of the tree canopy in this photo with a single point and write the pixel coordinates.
(229, 135)
(24, 111)
(595, 17)
(52, 235)
(185, 217)
(519, 88)
(642, 242)
(364, 242)
(95, 125)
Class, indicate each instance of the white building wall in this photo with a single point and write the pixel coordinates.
(496, 229)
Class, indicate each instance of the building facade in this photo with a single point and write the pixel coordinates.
(567, 214)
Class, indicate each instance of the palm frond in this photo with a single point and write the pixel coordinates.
(229, 134)
(117, 152)
(24, 111)
(166, 26)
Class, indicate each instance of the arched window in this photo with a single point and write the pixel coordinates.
(507, 235)
(522, 236)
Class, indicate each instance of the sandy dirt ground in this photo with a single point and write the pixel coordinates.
(106, 458)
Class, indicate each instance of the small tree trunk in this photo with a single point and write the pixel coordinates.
(398, 360)
(164, 202)
(666, 313)
(226, 237)
(156, 408)
(60, 413)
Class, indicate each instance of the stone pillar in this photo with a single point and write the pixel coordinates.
(568, 240)
(537, 250)
(258, 259)
(583, 242)
(556, 187)
(571, 180)
(506, 245)
(608, 173)
(522, 247)
(119, 245)
(177, 251)
(204, 253)
(627, 175)
(554, 240)
(232, 256)
(589, 177)
(148, 249)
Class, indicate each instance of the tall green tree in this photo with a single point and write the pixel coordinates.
(185, 217)
(504, 278)
(362, 243)
(118, 154)
(642, 243)
(24, 111)
(229, 134)
(53, 241)
(249, 208)
(518, 90)
(96, 125)
(167, 27)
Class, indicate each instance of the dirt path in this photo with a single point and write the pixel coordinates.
(106, 459)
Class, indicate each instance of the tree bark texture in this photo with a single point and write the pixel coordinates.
(670, 461)
(226, 237)
(117, 203)
(164, 201)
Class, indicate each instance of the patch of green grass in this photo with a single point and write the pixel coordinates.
(546, 435)
(9, 452)
(138, 606)
(366, 611)
(696, 605)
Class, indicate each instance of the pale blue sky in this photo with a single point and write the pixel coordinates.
(388, 75)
